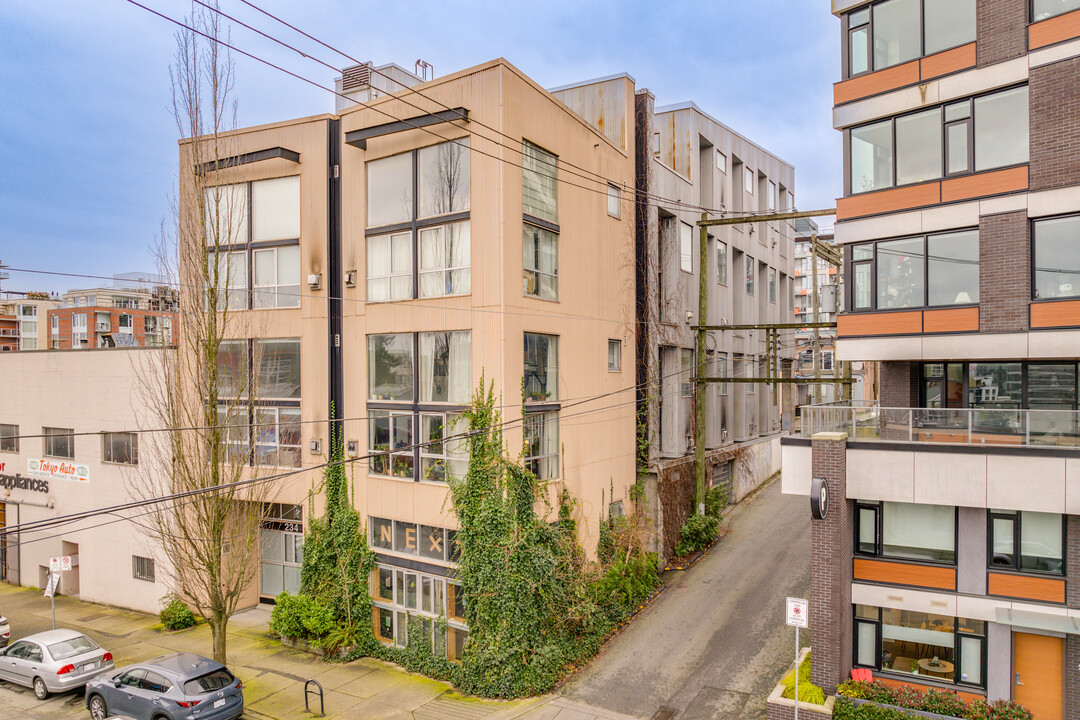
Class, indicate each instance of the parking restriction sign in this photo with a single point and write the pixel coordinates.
(797, 612)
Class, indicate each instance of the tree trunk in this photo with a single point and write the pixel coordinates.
(218, 623)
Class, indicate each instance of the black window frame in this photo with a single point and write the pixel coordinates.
(957, 634)
(1031, 14)
(879, 537)
(416, 408)
(850, 29)
(850, 191)
(1032, 226)
(416, 224)
(924, 380)
(851, 266)
(1015, 567)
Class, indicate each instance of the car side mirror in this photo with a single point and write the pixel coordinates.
(116, 683)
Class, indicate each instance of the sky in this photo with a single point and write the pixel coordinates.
(89, 154)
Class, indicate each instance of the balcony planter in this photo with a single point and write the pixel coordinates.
(905, 711)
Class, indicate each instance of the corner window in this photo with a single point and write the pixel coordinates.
(614, 355)
(906, 531)
(540, 260)
(58, 442)
(614, 201)
(1056, 253)
(686, 247)
(1026, 541)
(973, 135)
(9, 438)
(120, 448)
(902, 30)
(1043, 9)
(931, 271)
(937, 647)
(418, 237)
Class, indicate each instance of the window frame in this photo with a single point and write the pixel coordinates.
(721, 262)
(943, 138)
(139, 566)
(852, 266)
(1033, 20)
(1032, 229)
(772, 285)
(9, 438)
(878, 508)
(107, 448)
(414, 225)
(49, 433)
(1016, 567)
(535, 273)
(614, 194)
(850, 30)
(616, 344)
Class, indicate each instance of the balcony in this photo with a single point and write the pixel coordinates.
(953, 426)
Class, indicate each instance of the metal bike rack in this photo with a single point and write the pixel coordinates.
(322, 708)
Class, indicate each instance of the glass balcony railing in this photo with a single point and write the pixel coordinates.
(953, 426)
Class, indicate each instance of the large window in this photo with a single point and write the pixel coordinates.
(539, 182)
(418, 238)
(935, 647)
(405, 431)
(9, 438)
(541, 389)
(1056, 257)
(1027, 541)
(258, 262)
(976, 134)
(408, 604)
(902, 30)
(906, 531)
(259, 400)
(931, 271)
(58, 442)
(1043, 9)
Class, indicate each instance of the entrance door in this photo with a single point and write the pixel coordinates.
(1038, 664)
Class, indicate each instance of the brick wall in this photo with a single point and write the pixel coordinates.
(1001, 31)
(899, 384)
(1072, 676)
(1072, 561)
(830, 570)
(675, 487)
(1004, 272)
(1054, 124)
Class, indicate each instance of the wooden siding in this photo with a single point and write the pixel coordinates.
(1027, 587)
(949, 61)
(1062, 313)
(892, 323)
(896, 573)
(1054, 30)
(876, 82)
(995, 182)
(951, 320)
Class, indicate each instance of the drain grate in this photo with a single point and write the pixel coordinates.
(664, 713)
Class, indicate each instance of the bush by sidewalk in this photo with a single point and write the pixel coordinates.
(175, 615)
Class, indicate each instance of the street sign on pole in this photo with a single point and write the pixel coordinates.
(798, 612)
(61, 563)
(50, 592)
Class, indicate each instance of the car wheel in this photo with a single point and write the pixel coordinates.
(40, 691)
(98, 709)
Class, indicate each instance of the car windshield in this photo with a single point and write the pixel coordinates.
(209, 682)
(69, 648)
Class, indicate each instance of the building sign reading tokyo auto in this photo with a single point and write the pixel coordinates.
(57, 470)
(18, 482)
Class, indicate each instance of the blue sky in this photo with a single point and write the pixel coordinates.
(89, 143)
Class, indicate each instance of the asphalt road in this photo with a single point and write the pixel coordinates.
(714, 644)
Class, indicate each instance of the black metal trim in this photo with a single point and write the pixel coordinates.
(410, 564)
(359, 138)
(335, 281)
(248, 158)
(540, 223)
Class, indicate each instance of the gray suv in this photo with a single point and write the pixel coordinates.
(181, 686)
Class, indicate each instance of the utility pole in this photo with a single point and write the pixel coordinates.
(701, 379)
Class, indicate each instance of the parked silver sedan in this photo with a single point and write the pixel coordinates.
(53, 661)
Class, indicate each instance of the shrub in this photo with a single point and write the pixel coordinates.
(625, 583)
(301, 616)
(997, 710)
(942, 702)
(716, 499)
(697, 533)
(808, 692)
(175, 614)
(933, 700)
(845, 709)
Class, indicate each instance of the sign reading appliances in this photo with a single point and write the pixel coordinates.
(18, 482)
(58, 470)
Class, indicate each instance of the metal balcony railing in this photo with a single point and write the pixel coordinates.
(952, 426)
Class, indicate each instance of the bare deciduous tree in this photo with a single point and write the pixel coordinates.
(204, 391)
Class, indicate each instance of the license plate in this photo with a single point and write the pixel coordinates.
(89, 666)
(219, 703)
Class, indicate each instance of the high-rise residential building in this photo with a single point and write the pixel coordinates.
(111, 317)
(30, 315)
(950, 553)
(477, 227)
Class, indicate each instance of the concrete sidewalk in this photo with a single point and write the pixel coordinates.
(273, 676)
